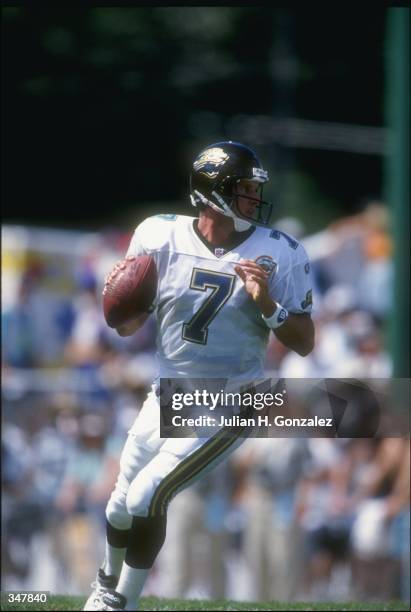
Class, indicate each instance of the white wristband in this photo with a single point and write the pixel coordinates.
(278, 318)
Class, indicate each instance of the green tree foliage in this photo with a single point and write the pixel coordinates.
(104, 107)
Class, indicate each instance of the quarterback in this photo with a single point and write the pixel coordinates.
(225, 280)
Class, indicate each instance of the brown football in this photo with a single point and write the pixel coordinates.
(129, 290)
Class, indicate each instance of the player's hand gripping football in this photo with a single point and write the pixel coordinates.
(255, 280)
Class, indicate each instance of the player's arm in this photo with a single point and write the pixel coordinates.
(297, 333)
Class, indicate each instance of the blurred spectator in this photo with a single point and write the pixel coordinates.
(194, 558)
(356, 252)
(18, 344)
(91, 473)
(379, 536)
(272, 539)
(85, 347)
(348, 344)
(321, 506)
(375, 281)
(34, 464)
(17, 529)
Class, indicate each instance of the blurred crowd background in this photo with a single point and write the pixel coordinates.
(282, 519)
(104, 109)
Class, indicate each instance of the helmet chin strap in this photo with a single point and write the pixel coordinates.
(240, 225)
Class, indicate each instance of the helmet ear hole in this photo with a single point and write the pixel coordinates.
(226, 188)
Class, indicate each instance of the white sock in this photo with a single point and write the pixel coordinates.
(113, 560)
(131, 584)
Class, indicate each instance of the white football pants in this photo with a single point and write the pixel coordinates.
(153, 469)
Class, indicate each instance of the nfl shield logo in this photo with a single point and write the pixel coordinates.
(218, 252)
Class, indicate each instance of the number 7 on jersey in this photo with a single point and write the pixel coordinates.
(222, 285)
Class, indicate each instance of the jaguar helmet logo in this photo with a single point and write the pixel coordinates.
(210, 161)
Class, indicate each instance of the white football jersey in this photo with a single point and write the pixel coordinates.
(207, 325)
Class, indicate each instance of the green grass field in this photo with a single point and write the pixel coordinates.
(61, 602)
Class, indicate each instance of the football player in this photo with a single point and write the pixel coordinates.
(225, 280)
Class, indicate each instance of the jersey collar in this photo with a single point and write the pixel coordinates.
(219, 251)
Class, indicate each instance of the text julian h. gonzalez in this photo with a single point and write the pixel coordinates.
(260, 420)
